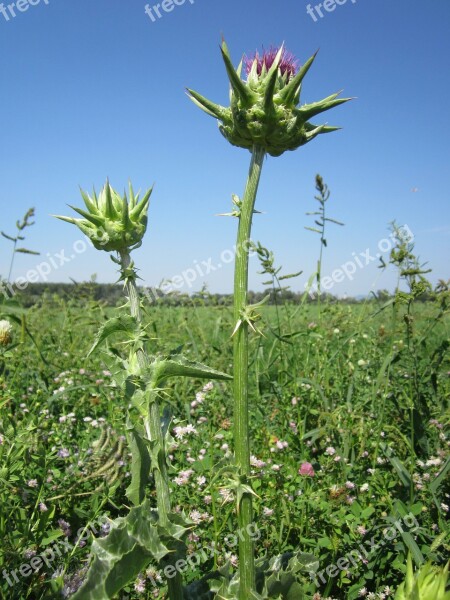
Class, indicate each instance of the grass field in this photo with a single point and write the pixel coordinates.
(348, 412)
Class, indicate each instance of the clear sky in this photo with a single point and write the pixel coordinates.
(91, 89)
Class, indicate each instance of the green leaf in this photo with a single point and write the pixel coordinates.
(133, 542)
(440, 478)
(140, 465)
(25, 251)
(182, 367)
(124, 324)
(402, 472)
(290, 276)
(8, 237)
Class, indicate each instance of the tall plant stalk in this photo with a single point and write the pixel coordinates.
(263, 117)
(152, 421)
(240, 372)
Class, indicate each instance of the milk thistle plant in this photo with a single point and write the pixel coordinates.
(264, 117)
(116, 223)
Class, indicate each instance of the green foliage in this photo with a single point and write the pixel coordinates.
(363, 411)
(133, 541)
(428, 583)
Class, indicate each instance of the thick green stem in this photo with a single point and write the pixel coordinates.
(240, 372)
(152, 423)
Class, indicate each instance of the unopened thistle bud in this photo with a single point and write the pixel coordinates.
(264, 109)
(5, 333)
(113, 222)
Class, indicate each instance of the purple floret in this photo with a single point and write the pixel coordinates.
(288, 63)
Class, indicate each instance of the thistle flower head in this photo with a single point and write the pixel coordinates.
(5, 333)
(113, 222)
(264, 109)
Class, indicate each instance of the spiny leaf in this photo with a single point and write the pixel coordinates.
(123, 324)
(132, 543)
(178, 366)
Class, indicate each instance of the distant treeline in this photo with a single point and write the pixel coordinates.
(112, 295)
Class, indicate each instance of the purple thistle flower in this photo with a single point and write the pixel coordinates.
(288, 62)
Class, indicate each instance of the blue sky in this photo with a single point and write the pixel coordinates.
(95, 89)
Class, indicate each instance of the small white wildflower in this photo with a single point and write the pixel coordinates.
(361, 530)
(364, 487)
(5, 333)
(227, 495)
(195, 516)
(139, 586)
(200, 396)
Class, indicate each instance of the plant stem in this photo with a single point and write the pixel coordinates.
(152, 422)
(240, 372)
(12, 260)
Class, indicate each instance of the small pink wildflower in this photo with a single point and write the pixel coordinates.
(306, 470)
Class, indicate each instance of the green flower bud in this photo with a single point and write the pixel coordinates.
(264, 109)
(5, 333)
(113, 222)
